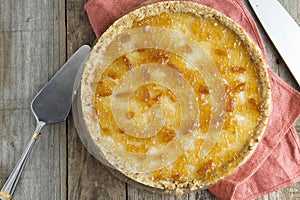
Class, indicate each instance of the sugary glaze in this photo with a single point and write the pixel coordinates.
(175, 95)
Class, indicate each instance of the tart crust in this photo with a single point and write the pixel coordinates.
(90, 80)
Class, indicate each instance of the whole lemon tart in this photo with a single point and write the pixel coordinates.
(175, 96)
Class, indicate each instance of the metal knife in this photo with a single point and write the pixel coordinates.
(282, 29)
(51, 105)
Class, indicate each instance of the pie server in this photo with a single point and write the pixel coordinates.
(282, 29)
(51, 105)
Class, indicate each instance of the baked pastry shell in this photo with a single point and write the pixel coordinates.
(84, 110)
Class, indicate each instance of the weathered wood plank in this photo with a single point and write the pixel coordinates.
(87, 177)
(134, 193)
(137, 194)
(32, 48)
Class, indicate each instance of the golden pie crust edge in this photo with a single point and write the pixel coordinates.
(89, 83)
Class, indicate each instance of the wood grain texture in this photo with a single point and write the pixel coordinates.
(87, 177)
(32, 48)
(36, 37)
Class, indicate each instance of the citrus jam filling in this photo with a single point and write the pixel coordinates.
(242, 108)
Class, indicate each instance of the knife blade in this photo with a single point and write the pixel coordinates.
(283, 31)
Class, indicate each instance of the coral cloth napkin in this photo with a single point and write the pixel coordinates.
(276, 161)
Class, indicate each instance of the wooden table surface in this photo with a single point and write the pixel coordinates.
(36, 38)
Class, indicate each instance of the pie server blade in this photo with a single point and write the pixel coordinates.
(51, 105)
